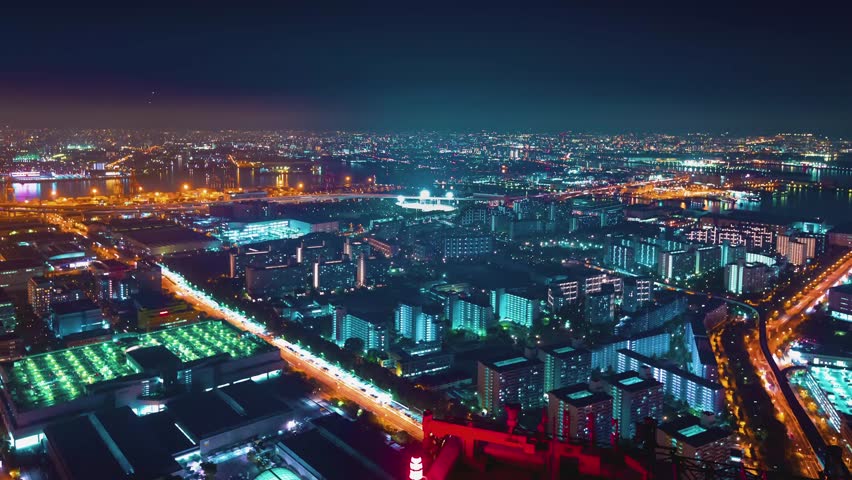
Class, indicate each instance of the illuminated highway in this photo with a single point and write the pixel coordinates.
(339, 381)
(802, 453)
(776, 338)
(808, 299)
(764, 351)
(342, 382)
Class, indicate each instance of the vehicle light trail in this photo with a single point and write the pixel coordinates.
(357, 389)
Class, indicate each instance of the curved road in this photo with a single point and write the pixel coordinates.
(811, 466)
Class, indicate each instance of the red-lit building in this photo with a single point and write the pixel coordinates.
(451, 447)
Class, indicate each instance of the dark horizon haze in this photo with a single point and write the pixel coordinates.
(665, 68)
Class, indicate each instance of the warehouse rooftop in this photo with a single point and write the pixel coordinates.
(60, 376)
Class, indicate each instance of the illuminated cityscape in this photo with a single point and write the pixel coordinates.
(385, 243)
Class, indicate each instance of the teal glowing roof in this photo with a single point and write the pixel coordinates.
(48, 379)
(692, 430)
(579, 395)
(278, 473)
(511, 361)
(630, 381)
(562, 350)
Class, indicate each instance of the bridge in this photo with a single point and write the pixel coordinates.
(424, 197)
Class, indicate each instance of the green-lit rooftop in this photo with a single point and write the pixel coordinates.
(48, 379)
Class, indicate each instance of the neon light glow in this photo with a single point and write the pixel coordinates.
(60, 376)
(630, 381)
(238, 233)
(28, 442)
(511, 361)
(692, 430)
(427, 207)
(580, 394)
(415, 469)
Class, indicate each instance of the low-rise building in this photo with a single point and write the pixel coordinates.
(119, 444)
(691, 437)
(158, 311)
(76, 317)
(15, 274)
(142, 372)
(410, 366)
(840, 302)
(11, 347)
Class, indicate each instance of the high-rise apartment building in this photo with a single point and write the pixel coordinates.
(334, 275)
(634, 398)
(514, 380)
(417, 322)
(797, 248)
(564, 365)
(637, 292)
(745, 277)
(599, 307)
(465, 246)
(677, 265)
(697, 392)
(372, 332)
(517, 308)
(577, 412)
(471, 314)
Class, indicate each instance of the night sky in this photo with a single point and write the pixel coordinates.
(668, 68)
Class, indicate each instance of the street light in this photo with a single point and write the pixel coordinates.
(94, 191)
(186, 186)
